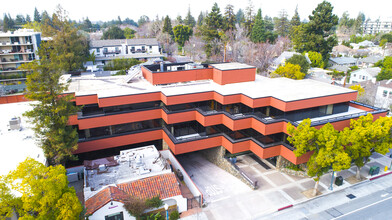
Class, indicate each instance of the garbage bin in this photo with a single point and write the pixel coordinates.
(339, 181)
(374, 170)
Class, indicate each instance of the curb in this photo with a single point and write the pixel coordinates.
(376, 177)
(285, 207)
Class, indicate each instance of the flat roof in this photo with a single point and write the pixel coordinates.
(130, 165)
(231, 66)
(17, 145)
(281, 88)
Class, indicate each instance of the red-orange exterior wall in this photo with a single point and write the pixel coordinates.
(233, 76)
(13, 99)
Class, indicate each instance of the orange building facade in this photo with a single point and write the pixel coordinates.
(190, 107)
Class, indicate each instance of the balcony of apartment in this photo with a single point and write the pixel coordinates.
(14, 61)
(133, 51)
(111, 52)
(16, 52)
(16, 43)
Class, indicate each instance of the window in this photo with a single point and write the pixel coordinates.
(363, 77)
(150, 47)
(355, 75)
(115, 216)
(98, 50)
(385, 93)
(326, 110)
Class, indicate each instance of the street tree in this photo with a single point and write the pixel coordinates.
(317, 35)
(182, 34)
(366, 136)
(327, 150)
(113, 32)
(301, 61)
(42, 193)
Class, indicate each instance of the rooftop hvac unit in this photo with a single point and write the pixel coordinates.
(15, 123)
(102, 167)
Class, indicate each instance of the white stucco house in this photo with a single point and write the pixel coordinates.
(384, 94)
(106, 50)
(364, 75)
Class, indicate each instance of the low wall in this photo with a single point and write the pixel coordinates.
(188, 181)
(12, 99)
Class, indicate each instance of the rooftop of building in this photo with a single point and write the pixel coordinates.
(119, 42)
(343, 60)
(19, 32)
(164, 186)
(129, 166)
(371, 59)
(373, 71)
(17, 144)
(281, 88)
(231, 66)
(386, 83)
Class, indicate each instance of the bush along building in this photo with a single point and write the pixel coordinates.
(187, 107)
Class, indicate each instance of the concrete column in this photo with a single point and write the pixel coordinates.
(165, 146)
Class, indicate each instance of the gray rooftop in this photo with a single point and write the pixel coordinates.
(231, 66)
(371, 59)
(119, 42)
(386, 83)
(343, 60)
(371, 71)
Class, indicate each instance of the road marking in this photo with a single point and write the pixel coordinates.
(383, 195)
(348, 213)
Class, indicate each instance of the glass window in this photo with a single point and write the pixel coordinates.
(98, 50)
(115, 216)
(385, 93)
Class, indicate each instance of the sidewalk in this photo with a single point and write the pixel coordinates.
(278, 190)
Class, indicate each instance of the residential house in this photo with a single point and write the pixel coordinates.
(135, 173)
(343, 61)
(365, 74)
(369, 61)
(384, 94)
(342, 50)
(106, 50)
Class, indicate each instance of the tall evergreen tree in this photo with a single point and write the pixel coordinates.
(189, 19)
(316, 35)
(113, 32)
(20, 20)
(28, 19)
(282, 24)
(200, 19)
(249, 18)
(179, 19)
(229, 19)
(210, 31)
(295, 20)
(6, 23)
(167, 26)
(240, 17)
(258, 33)
(46, 20)
(50, 115)
(37, 16)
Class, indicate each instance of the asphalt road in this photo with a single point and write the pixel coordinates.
(378, 210)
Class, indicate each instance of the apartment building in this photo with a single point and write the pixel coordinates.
(16, 48)
(188, 107)
(106, 50)
(377, 26)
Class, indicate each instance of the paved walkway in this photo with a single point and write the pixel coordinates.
(276, 190)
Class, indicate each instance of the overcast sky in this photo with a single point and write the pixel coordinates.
(108, 10)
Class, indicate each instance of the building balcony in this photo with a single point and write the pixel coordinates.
(13, 52)
(14, 61)
(5, 44)
(112, 52)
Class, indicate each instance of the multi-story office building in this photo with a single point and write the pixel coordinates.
(106, 50)
(190, 107)
(17, 48)
(374, 27)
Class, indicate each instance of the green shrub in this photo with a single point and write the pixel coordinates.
(121, 72)
(154, 202)
(174, 215)
(121, 64)
(294, 167)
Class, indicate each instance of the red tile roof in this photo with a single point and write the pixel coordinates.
(165, 185)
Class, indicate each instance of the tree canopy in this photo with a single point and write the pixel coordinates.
(167, 26)
(301, 61)
(189, 19)
(292, 71)
(316, 59)
(182, 34)
(44, 193)
(316, 35)
(113, 32)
